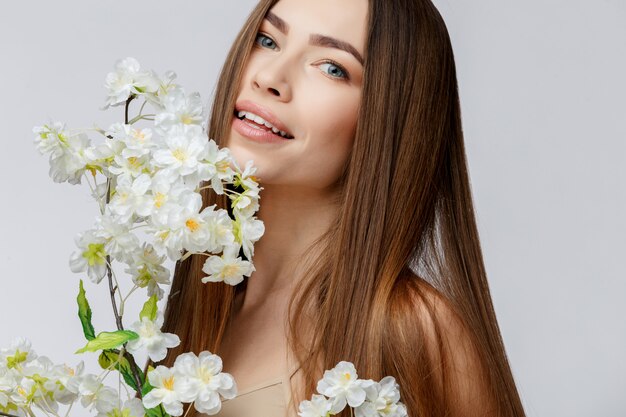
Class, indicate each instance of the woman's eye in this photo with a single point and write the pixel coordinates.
(265, 41)
(334, 70)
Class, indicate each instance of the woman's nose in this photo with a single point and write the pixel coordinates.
(272, 79)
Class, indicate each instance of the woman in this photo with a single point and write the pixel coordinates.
(371, 255)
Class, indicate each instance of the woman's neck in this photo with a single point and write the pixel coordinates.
(294, 218)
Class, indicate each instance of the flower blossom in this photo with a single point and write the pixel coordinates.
(183, 154)
(128, 79)
(247, 231)
(147, 270)
(341, 385)
(185, 227)
(179, 109)
(94, 395)
(130, 197)
(202, 381)
(318, 406)
(131, 408)
(166, 391)
(120, 242)
(383, 401)
(152, 339)
(228, 267)
(91, 256)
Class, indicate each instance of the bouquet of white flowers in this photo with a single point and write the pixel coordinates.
(147, 182)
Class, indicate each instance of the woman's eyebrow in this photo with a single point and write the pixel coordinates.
(277, 22)
(327, 41)
(316, 39)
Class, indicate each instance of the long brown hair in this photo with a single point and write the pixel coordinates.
(406, 228)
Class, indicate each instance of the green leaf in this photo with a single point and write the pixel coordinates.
(84, 313)
(111, 357)
(157, 412)
(149, 309)
(108, 340)
(146, 388)
(108, 357)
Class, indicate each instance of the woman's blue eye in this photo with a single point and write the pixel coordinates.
(334, 70)
(265, 41)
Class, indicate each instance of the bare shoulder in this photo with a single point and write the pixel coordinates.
(457, 360)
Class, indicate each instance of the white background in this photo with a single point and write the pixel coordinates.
(542, 90)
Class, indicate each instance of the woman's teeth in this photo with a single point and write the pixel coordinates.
(259, 120)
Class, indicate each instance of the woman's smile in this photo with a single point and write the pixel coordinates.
(259, 124)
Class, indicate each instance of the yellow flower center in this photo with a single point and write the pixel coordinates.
(159, 199)
(229, 270)
(140, 136)
(133, 162)
(168, 383)
(204, 375)
(222, 166)
(186, 120)
(179, 154)
(192, 225)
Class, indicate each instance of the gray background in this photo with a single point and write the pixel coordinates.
(542, 91)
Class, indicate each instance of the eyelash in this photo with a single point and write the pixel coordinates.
(345, 77)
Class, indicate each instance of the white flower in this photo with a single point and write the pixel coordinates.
(132, 166)
(185, 147)
(39, 383)
(247, 231)
(131, 408)
(138, 143)
(69, 160)
(203, 381)
(228, 268)
(319, 406)
(341, 385)
(383, 400)
(220, 226)
(183, 227)
(120, 243)
(130, 197)
(90, 257)
(246, 178)
(220, 159)
(152, 339)
(18, 354)
(165, 391)
(166, 85)
(179, 108)
(147, 270)
(68, 381)
(128, 79)
(8, 385)
(247, 203)
(164, 195)
(50, 138)
(93, 394)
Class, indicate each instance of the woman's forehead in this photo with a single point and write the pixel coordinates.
(345, 20)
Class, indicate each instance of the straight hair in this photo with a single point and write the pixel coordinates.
(405, 229)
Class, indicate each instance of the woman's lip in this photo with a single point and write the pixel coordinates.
(247, 105)
(246, 129)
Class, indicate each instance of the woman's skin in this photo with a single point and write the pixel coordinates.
(316, 101)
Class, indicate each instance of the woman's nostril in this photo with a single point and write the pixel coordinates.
(274, 91)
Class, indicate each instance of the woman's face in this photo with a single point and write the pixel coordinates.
(304, 78)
